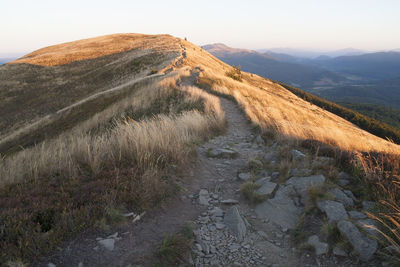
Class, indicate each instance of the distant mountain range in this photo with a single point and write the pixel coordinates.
(276, 66)
(310, 54)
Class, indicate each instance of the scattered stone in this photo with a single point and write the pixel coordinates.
(320, 247)
(220, 226)
(300, 172)
(333, 209)
(341, 197)
(339, 252)
(364, 246)
(107, 243)
(266, 189)
(229, 202)
(222, 153)
(235, 222)
(298, 155)
(368, 205)
(244, 176)
(281, 209)
(303, 185)
(50, 264)
(203, 197)
(357, 215)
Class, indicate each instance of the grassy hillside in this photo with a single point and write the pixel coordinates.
(364, 122)
(113, 137)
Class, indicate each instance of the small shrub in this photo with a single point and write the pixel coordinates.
(235, 73)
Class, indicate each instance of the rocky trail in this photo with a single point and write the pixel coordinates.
(230, 230)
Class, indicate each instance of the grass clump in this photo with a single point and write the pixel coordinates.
(249, 189)
(175, 249)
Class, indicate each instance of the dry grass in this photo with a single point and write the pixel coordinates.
(119, 159)
(97, 47)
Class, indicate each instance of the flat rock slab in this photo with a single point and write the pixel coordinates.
(341, 197)
(302, 185)
(281, 209)
(222, 153)
(235, 223)
(364, 246)
(266, 189)
(319, 247)
(107, 243)
(333, 209)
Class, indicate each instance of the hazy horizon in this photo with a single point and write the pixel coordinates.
(307, 25)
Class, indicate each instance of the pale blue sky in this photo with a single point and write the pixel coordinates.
(27, 25)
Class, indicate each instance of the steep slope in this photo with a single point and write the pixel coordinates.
(274, 68)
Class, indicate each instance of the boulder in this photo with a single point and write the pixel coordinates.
(281, 209)
(364, 246)
(341, 197)
(203, 197)
(350, 194)
(297, 155)
(270, 156)
(274, 176)
(235, 223)
(333, 209)
(302, 185)
(216, 212)
(319, 247)
(266, 189)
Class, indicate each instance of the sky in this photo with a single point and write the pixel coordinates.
(27, 25)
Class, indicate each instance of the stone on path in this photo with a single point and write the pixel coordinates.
(298, 155)
(341, 197)
(302, 185)
(339, 252)
(107, 243)
(222, 153)
(364, 246)
(333, 209)
(266, 189)
(357, 215)
(320, 247)
(235, 223)
(281, 209)
(244, 176)
(229, 201)
(203, 197)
